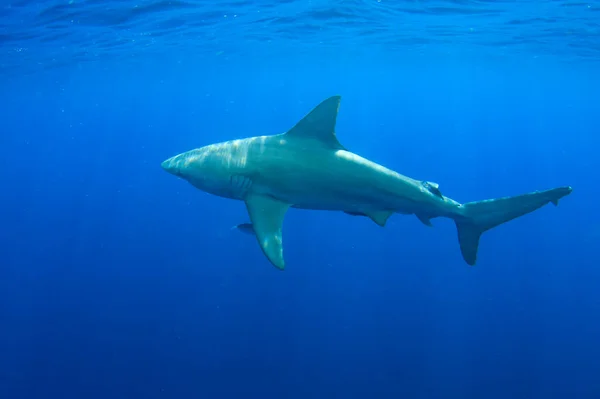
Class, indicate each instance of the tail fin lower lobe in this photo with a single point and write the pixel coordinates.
(480, 216)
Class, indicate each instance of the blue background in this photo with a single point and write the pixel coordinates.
(118, 280)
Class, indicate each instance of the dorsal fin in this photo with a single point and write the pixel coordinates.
(319, 124)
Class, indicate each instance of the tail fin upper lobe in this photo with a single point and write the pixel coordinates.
(480, 216)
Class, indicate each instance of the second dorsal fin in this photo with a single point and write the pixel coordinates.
(433, 188)
(319, 124)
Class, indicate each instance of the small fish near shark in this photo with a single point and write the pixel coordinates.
(307, 168)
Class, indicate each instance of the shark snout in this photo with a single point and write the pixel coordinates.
(171, 165)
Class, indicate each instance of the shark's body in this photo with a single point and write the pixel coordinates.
(308, 168)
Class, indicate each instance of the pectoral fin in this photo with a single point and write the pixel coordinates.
(267, 215)
(244, 228)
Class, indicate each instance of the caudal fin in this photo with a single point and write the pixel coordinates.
(480, 216)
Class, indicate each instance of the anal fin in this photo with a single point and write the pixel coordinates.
(424, 219)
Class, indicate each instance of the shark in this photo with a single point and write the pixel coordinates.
(306, 167)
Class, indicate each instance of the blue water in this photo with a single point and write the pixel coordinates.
(118, 280)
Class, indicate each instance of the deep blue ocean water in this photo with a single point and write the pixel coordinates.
(118, 280)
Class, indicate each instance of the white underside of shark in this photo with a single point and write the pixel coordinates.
(308, 168)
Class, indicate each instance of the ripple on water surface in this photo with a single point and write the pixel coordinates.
(44, 34)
